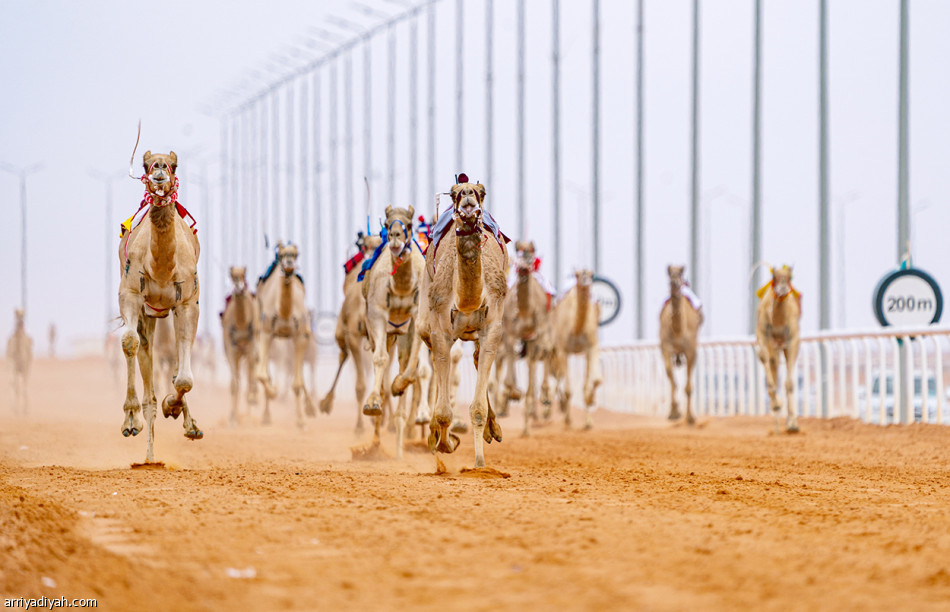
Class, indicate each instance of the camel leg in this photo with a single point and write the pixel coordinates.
(186, 326)
(326, 404)
(791, 357)
(375, 328)
(510, 388)
(149, 405)
(131, 308)
(564, 382)
(593, 379)
(359, 362)
(546, 386)
(674, 405)
(235, 366)
(771, 383)
(459, 425)
(300, 391)
(480, 410)
(263, 375)
(440, 438)
(530, 409)
(263, 364)
(250, 356)
(690, 364)
(408, 370)
(425, 390)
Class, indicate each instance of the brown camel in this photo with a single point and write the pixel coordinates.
(463, 297)
(284, 314)
(159, 276)
(351, 331)
(575, 323)
(526, 323)
(391, 289)
(680, 319)
(20, 356)
(776, 332)
(240, 329)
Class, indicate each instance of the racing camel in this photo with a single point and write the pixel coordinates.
(463, 297)
(240, 327)
(776, 332)
(527, 323)
(576, 318)
(20, 356)
(680, 319)
(391, 289)
(159, 277)
(284, 314)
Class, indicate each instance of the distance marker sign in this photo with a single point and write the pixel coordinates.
(906, 298)
(607, 295)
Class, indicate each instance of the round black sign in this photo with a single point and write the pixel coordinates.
(606, 294)
(907, 298)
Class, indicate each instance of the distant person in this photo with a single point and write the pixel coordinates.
(52, 340)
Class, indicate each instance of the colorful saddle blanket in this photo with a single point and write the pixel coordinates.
(446, 221)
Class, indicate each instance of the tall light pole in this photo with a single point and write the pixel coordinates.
(556, 133)
(639, 162)
(22, 173)
(694, 155)
(109, 241)
(755, 249)
(595, 140)
(520, 110)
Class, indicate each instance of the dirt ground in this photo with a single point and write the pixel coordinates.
(636, 514)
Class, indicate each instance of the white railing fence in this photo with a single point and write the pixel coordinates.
(862, 374)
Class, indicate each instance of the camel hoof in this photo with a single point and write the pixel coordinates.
(690, 420)
(588, 426)
(492, 431)
(674, 416)
(442, 441)
(515, 394)
(459, 426)
(265, 420)
(326, 404)
(309, 409)
(449, 443)
(374, 411)
(171, 406)
(423, 419)
(400, 384)
(194, 434)
(792, 429)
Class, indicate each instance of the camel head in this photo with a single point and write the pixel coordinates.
(238, 280)
(467, 199)
(399, 231)
(19, 316)
(160, 171)
(781, 281)
(677, 276)
(584, 278)
(287, 256)
(524, 262)
(368, 244)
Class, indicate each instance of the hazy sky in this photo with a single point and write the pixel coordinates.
(78, 76)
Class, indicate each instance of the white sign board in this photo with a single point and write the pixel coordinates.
(907, 298)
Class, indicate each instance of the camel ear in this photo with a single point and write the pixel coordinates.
(145, 157)
(174, 158)
(389, 209)
(669, 270)
(480, 190)
(455, 194)
(412, 211)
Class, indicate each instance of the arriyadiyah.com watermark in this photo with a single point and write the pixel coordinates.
(29, 603)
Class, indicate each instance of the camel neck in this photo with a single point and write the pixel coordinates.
(286, 302)
(583, 303)
(242, 309)
(468, 281)
(779, 317)
(162, 245)
(676, 305)
(524, 295)
(402, 277)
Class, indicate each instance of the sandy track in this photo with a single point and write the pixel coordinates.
(635, 514)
